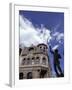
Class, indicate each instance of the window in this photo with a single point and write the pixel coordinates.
(44, 60)
(29, 75)
(24, 61)
(37, 61)
(28, 60)
(43, 73)
(33, 60)
(44, 49)
(20, 51)
(40, 47)
(37, 57)
(21, 75)
(31, 48)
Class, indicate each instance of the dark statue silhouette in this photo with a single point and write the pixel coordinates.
(56, 62)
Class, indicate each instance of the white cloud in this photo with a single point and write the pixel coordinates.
(55, 34)
(58, 36)
(55, 47)
(30, 35)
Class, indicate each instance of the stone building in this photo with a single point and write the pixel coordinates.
(34, 62)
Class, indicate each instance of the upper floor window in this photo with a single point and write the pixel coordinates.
(37, 57)
(37, 61)
(33, 58)
(44, 60)
(24, 61)
(44, 49)
(40, 47)
(28, 61)
(31, 48)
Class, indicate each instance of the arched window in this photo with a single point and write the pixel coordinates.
(37, 61)
(24, 61)
(31, 48)
(37, 57)
(28, 61)
(33, 60)
(44, 60)
(29, 75)
(43, 73)
(44, 49)
(20, 75)
(40, 47)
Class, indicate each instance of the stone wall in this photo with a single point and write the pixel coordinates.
(34, 62)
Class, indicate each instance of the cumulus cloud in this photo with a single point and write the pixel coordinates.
(30, 35)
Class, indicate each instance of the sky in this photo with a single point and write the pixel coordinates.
(43, 27)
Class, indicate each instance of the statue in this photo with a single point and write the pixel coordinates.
(56, 62)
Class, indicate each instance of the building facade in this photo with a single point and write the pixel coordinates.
(34, 62)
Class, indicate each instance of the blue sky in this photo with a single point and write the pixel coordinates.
(42, 25)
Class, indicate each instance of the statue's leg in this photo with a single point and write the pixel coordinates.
(60, 70)
(55, 68)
